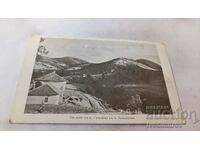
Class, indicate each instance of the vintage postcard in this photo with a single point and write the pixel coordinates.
(96, 81)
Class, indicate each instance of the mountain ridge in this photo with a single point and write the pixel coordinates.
(114, 81)
(67, 62)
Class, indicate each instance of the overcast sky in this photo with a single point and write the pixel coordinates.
(99, 51)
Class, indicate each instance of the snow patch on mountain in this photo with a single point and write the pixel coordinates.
(127, 62)
(71, 87)
(145, 67)
(63, 65)
(74, 68)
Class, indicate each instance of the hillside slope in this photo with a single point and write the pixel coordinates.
(115, 81)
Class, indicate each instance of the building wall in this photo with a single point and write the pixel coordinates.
(40, 100)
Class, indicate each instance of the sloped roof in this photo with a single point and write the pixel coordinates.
(53, 77)
(44, 90)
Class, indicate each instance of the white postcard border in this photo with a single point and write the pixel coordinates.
(18, 115)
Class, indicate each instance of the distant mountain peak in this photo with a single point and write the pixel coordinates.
(124, 58)
(122, 61)
(149, 63)
(47, 63)
(71, 61)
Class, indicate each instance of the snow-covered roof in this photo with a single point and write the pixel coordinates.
(44, 90)
(52, 77)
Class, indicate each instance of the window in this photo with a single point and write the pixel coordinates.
(46, 100)
(37, 84)
(70, 99)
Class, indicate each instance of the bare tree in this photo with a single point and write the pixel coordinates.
(42, 49)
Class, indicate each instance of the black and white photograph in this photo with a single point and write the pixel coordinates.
(88, 76)
(88, 80)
